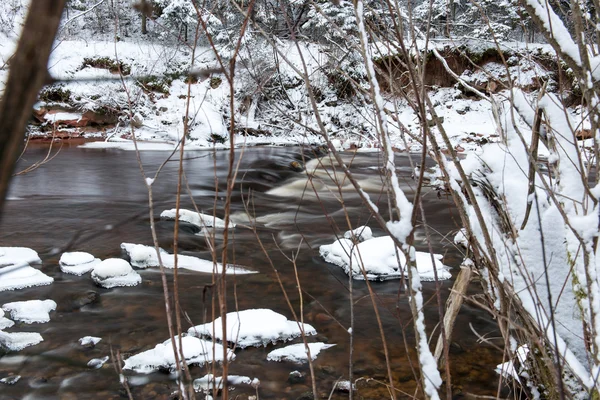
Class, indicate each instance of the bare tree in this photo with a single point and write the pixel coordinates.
(28, 74)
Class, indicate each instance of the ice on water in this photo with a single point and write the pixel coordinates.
(254, 327)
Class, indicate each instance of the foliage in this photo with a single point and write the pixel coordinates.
(113, 66)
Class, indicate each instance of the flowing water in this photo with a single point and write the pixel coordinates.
(93, 200)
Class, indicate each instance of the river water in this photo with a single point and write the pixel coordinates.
(94, 200)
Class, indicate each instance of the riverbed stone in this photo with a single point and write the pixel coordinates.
(296, 377)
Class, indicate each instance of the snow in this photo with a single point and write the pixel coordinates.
(114, 272)
(89, 341)
(15, 271)
(377, 257)
(142, 256)
(18, 256)
(428, 364)
(208, 382)
(19, 340)
(557, 29)
(5, 322)
(30, 311)
(253, 327)
(461, 238)
(198, 219)
(22, 276)
(62, 116)
(10, 380)
(97, 363)
(296, 353)
(77, 263)
(195, 351)
(362, 233)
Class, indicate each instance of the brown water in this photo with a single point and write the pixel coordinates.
(93, 200)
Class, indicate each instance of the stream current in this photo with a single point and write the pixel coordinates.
(94, 200)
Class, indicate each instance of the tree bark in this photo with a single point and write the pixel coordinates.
(28, 72)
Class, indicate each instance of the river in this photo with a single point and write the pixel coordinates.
(93, 200)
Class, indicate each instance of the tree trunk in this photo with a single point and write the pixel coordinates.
(144, 18)
(28, 73)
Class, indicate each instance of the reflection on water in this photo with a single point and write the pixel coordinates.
(93, 200)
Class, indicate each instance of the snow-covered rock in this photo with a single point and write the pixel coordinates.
(5, 322)
(195, 351)
(15, 271)
(142, 256)
(362, 233)
(254, 327)
(19, 340)
(115, 272)
(77, 263)
(30, 311)
(89, 341)
(198, 219)
(22, 276)
(10, 380)
(208, 382)
(18, 256)
(460, 238)
(97, 363)
(297, 353)
(378, 258)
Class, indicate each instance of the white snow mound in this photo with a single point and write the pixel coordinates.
(77, 263)
(208, 382)
(195, 351)
(362, 233)
(20, 276)
(198, 219)
(5, 322)
(32, 311)
(18, 256)
(114, 272)
(89, 340)
(19, 340)
(254, 327)
(145, 256)
(378, 258)
(297, 353)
